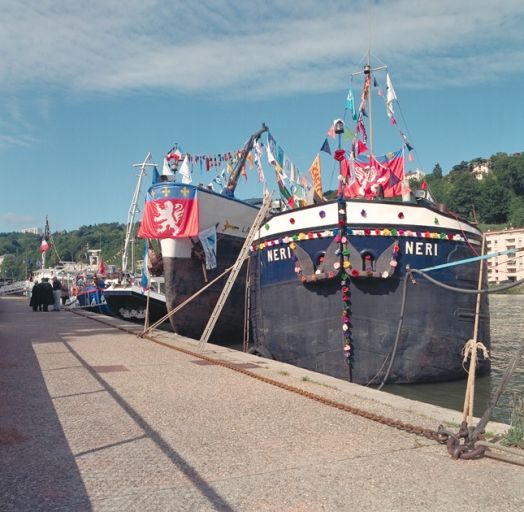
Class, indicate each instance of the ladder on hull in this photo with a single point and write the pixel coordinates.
(266, 205)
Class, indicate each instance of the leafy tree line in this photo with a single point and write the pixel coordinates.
(24, 256)
(496, 199)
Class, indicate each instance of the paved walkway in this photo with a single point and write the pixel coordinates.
(93, 418)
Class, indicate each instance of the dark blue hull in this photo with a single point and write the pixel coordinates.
(300, 322)
(185, 277)
(131, 305)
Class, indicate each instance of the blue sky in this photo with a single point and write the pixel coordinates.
(89, 88)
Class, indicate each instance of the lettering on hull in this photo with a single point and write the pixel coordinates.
(421, 248)
(278, 254)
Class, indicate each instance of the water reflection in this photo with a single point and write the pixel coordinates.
(506, 313)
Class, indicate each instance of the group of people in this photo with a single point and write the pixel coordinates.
(45, 294)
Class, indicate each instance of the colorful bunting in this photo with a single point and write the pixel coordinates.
(316, 176)
(325, 147)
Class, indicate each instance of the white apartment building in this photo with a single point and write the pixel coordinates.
(507, 267)
(35, 231)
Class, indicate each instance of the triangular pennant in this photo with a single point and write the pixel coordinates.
(325, 147)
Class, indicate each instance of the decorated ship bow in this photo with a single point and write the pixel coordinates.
(327, 278)
(201, 233)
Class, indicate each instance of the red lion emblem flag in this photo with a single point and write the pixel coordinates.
(171, 211)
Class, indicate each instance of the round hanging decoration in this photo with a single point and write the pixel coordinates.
(363, 213)
(266, 226)
(436, 221)
(301, 236)
(292, 220)
(400, 215)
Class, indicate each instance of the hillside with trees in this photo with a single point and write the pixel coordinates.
(24, 256)
(497, 198)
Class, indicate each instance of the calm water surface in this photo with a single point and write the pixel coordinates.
(507, 313)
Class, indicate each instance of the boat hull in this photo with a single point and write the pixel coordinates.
(300, 322)
(131, 304)
(91, 299)
(186, 275)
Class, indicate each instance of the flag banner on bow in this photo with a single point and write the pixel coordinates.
(387, 171)
(315, 175)
(208, 239)
(170, 212)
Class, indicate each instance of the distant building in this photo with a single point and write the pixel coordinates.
(34, 231)
(417, 175)
(507, 267)
(480, 170)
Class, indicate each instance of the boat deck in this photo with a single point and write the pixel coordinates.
(95, 418)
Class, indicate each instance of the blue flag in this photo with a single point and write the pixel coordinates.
(325, 147)
(144, 281)
(350, 104)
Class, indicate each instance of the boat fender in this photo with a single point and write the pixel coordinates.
(261, 352)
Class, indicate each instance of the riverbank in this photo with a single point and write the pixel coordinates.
(98, 419)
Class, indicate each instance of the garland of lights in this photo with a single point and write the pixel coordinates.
(344, 283)
(356, 232)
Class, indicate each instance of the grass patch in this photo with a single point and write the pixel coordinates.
(283, 372)
(513, 437)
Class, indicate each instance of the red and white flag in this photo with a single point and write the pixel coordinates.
(43, 246)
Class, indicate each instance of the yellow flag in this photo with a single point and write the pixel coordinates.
(315, 175)
(249, 159)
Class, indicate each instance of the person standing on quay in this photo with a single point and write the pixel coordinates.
(57, 293)
(34, 302)
(45, 294)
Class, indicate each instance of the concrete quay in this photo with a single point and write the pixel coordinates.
(95, 418)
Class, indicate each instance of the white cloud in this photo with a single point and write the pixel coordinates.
(15, 219)
(259, 49)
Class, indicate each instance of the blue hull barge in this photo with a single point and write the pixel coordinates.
(338, 314)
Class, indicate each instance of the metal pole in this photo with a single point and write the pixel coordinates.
(133, 209)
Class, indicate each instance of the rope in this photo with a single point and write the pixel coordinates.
(472, 349)
(464, 290)
(409, 275)
(181, 305)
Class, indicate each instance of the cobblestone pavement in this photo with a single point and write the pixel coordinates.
(93, 418)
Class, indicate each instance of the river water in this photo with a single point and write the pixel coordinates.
(506, 317)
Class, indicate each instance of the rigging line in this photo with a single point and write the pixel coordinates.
(405, 124)
(509, 260)
(457, 218)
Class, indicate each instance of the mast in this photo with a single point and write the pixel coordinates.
(133, 209)
(233, 179)
(368, 73)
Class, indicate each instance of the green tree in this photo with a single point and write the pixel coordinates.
(493, 201)
(516, 212)
(463, 195)
(437, 172)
